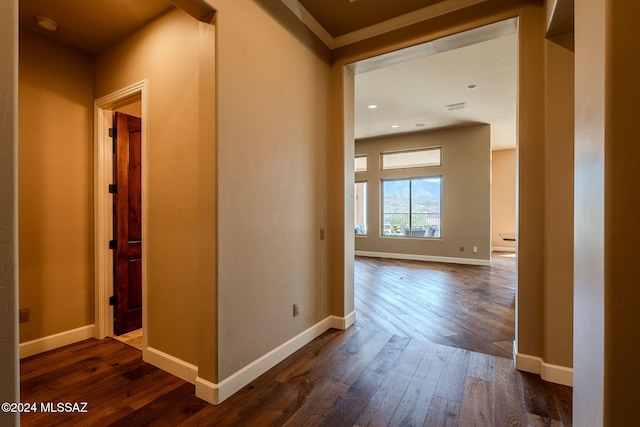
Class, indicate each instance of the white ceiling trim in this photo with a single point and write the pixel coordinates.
(401, 21)
(444, 44)
(307, 18)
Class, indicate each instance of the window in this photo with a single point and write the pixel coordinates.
(360, 164)
(412, 207)
(411, 159)
(360, 209)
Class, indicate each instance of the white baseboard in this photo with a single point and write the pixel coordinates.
(502, 249)
(217, 393)
(170, 364)
(547, 371)
(413, 257)
(51, 342)
(342, 323)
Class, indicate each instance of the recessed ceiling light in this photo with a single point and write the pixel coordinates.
(472, 87)
(46, 23)
(372, 106)
(395, 126)
(420, 125)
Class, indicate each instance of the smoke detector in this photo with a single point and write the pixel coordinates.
(46, 23)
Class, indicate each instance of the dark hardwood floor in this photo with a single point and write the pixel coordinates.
(365, 375)
(464, 306)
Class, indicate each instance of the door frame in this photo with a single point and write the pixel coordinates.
(349, 72)
(103, 215)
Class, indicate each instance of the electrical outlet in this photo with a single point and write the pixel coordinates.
(24, 315)
(475, 249)
(296, 310)
(322, 234)
(461, 248)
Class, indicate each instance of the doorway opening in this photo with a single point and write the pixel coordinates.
(129, 102)
(389, 106)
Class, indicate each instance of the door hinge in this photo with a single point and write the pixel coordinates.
(113, 188)
(113, 244)
(112, 135)
(113, 300)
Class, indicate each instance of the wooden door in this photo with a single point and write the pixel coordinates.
(127, 223)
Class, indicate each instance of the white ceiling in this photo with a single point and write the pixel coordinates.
(417, 92)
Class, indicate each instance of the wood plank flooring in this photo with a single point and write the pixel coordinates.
(361, 376)
(464, 306)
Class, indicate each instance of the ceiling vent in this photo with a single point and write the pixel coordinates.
(457, 106)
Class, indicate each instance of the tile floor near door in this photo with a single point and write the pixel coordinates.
(133, 338)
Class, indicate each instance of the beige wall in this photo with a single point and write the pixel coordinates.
(622, 219)
(134, 109)
(558, 206)
(503, 197)
(607, 200)
(56, 194)
(56, 199)
(166, 53)
(272, 147)
(9, 365)
(465, 173)
(341, 190)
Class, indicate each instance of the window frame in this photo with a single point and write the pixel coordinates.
(381, 229)
(355, 160)
(366, 207)
(411, 166)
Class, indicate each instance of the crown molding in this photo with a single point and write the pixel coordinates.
(429, 12)
(307, 18)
